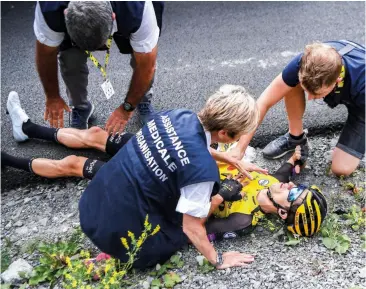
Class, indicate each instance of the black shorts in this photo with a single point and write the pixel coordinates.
(352, 138)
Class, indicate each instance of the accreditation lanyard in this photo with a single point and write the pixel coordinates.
(106, 85)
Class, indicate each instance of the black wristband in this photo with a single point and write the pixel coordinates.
(219, 259)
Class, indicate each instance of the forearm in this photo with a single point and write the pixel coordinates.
(46, 62)
(196, 232)
(143, 74)
(263, 109)
(140, 83)
(215, 203)
(283, 174)
(220, 156)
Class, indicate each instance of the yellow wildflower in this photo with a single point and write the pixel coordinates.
(146, 223)
(68, 262)
(106, 286)
(131, 235)
(119, 274)
(74, 284)
(90, 268)
(157, 229)
(124, 242)
(139, 243)
(68, 276)
(84, 254)
(112, 281)
(107, 268)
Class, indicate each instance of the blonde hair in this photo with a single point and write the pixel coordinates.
(232, 109)
(320, 65)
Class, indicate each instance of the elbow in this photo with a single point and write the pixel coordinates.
(192, 227)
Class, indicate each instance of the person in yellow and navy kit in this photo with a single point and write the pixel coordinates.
(302, 208)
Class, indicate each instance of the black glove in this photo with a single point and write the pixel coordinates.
(304, 155)
(230, 190)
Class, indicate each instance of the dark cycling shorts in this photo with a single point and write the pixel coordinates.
(352, 139)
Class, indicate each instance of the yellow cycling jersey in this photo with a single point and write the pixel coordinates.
(248, 205)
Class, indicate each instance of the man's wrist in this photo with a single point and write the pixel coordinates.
(217, 199)
(212, 258)
(219, 260)
(127, 106)
(52, 96)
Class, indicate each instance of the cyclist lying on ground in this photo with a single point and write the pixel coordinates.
(302, 208)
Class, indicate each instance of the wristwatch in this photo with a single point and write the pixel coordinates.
(219, 259)
(128, 106)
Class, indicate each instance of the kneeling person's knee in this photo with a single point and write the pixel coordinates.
(343, 168)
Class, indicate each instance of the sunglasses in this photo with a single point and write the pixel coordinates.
(293, 195)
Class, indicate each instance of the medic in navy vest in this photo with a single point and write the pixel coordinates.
(145, 177)
(128, 15)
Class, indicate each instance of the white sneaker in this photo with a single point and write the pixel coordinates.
(17, 115)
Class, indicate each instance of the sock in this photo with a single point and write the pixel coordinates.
(91, 167)
(33, 130)
(15, 162)
(116, 142)
(299, 137)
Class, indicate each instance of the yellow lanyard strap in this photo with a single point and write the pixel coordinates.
(103, 69)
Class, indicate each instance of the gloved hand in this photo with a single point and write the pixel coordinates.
(230, 190)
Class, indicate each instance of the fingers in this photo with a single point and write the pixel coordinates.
(113, 127)
(244, 183)
(108, 125)
(228, 175)
(247, 174)
(54, 113)
(54, 118)
(236, 259)
(67, 108)
(260, 170)
(238, 177)
(61, 120)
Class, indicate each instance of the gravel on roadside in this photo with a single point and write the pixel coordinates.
(49, 212)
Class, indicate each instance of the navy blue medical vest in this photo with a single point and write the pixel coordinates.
(145, 177)
(128, 17)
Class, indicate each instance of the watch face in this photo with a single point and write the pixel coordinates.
(127, 106)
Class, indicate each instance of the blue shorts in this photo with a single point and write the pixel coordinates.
(352, 138)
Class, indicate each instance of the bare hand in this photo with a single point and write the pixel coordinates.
(236, 153)
(118, 120)
(235, 259)
(246, 167)
(54, 112)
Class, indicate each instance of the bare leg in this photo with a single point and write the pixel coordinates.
(71, 166)
(94, 137)
(343, 164)
(295, 107)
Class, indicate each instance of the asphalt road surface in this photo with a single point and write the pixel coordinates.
(203, 46)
